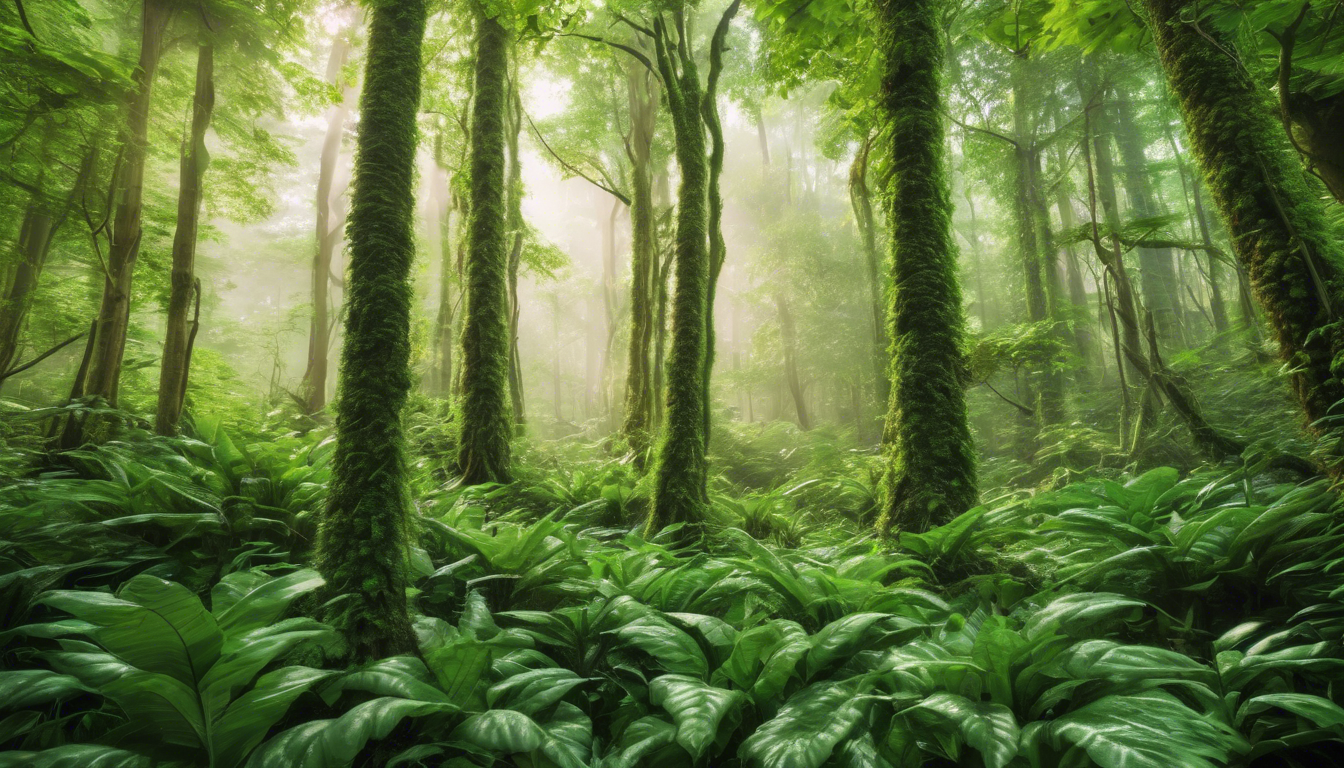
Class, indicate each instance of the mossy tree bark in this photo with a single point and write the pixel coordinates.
(484, 447)
(930, 460)
(1278, 228)
(181, 331)
(363, 540)
(680, 473)
(114, 311)
(642, 94)
(313, 389)
(515, 226)
(861, 200)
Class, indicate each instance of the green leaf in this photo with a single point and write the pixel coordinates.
(402, 677)
(807, 728)
(698, 709)
(643, 737)
(326, 743)
(1074, 614)
(264, 604)
(1319, 710)
(31, 687)
(248, 719)
(532, 691)
(75, 756)
(459, 665)
(988, 728)
(672, 650)
(840, 639)
(155, 625)
(1146, 730)
(502, 731)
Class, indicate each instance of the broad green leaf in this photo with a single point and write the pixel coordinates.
(502, 731)
(988, 728)
(1074, 614)
(404, 677)
(1146, 730)
(152, 624)
(841, 638)
(671, 649)
(460, 665)
(32, 687)
(807, 728)
(532, 691)
(265, 603)
(1319, 710)
(326, 743)
(698, 709)
(75, 756)
(644, 736)
(248, 719)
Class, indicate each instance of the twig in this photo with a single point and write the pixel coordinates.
(43, 356)
(623, 198)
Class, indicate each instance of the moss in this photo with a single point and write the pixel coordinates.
(1277, 226)
(484, 446)
(638, 381)
(362, 541)
(930, 465)
(680, 470)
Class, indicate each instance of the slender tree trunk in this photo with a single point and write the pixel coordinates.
(1278, 228)
(363, 540)
(930, 459)
(483, 453)
(1157, 266)
(176, 364)
(444, 338)
(861, 201)
(1082, 332)
(1217, 307)
(313, 389)
(639, 392)
(517, 227)
(789, 338)
(114, 312)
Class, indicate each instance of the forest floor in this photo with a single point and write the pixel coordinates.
(153, 600)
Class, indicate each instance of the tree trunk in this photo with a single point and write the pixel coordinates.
(930, 459)
(1082, 332)
(515, 226)
(114, 312)
(363, 540)
(176, 363)
(1278, 228)
(483, 453)
(441, 379)
(861, 201)
(639, 392)
(1157, 266)
(313, 389)
(1217, 307)
(789, 338)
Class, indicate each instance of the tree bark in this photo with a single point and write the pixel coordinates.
(1278, 228)
(860, 199)
(175, 367)
(929, 472)
(517, 228)
(639, 393)
(363, 539)
(484, 447)
(114, 312)
(789, 340)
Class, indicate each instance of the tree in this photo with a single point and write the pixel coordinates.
(362, 542)
(486, 427)
(1278, 228)
(181, 333)
(930, 464)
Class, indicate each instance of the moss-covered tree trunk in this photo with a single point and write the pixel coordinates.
(861, 200)
(114, 311)
(441, 374)
(642, 94)
(36, 231)
(788, 336)
(680, 472)
(313, 389)
(484, 447)
(514, 223)
(181, 330)
(930, 460)
(363, 540)
(1277, 226)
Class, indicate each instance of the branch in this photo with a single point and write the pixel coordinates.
(983, 130)
(623, 198)
(638, 55)
(1009, 400)
(23, 17)
(43, 356)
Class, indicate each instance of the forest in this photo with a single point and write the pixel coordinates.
(671, 383)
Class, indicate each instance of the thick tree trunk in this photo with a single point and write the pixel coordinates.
(930, 459)
(1278, 228)
(114, 312)
(363, 539)
(313, 389)
(176, 364)
(484, 449)
(789, 338)
(680, 470)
